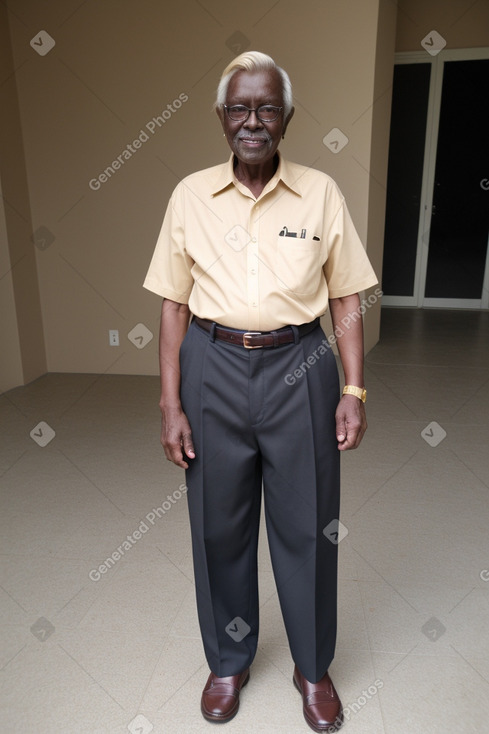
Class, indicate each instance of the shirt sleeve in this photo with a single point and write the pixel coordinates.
(347, 269)
(169, 274)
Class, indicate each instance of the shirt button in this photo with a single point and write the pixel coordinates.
(253, 271)
(253, 239)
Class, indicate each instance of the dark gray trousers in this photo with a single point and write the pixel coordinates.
(263, 416)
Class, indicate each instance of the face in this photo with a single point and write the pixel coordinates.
(254, 142)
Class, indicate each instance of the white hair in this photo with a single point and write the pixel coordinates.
(254, 61)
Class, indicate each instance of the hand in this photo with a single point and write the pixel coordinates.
(176, 436)
(351, 422)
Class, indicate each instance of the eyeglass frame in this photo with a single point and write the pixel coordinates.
(253, 109)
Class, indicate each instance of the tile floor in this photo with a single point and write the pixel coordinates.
(91, 652)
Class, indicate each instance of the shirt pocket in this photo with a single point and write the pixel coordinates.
(299, 268)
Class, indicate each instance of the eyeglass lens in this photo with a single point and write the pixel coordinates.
(265, 113)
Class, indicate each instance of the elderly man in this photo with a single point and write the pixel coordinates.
(251, 252)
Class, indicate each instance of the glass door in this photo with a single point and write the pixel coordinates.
(459, 224)
(410, 96)
(437, 217)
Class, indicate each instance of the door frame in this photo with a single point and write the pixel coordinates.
(428, 181)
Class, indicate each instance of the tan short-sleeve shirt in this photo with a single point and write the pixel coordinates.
(258, 264)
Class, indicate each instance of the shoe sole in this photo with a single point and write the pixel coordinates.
(223, 719)
(331, 728)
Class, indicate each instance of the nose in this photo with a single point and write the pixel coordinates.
(253, 121)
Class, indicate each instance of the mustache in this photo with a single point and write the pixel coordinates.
(247, 136)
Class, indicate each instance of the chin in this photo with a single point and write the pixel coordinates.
(253, 156)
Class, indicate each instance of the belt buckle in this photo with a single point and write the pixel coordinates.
(249, 334)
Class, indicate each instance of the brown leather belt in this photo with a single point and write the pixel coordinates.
(255, 339)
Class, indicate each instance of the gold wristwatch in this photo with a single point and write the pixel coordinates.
(359, 392)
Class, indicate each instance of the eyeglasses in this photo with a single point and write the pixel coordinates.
(265, 112)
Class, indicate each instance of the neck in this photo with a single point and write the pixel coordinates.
(255, 175)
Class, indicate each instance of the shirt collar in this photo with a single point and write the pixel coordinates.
(225, 176)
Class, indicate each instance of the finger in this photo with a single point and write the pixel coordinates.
(352, 440)
(347, 435)
(341, 431)
(347, 443)
(174, 453)
(188, 445)
(177, 458)
(354, 437)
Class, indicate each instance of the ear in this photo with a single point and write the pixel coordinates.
(289, 118)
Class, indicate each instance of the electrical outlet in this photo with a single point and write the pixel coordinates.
(114, 337)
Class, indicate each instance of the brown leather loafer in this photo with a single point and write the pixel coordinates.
(321, 704)
(220, 697)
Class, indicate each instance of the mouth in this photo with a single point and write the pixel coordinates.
(253, 142)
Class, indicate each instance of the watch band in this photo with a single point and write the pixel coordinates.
(359, 392)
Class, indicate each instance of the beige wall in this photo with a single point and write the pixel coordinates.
(21, 328)
(462, 23)
(11, 363)
(112, 69)
(379, 154)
